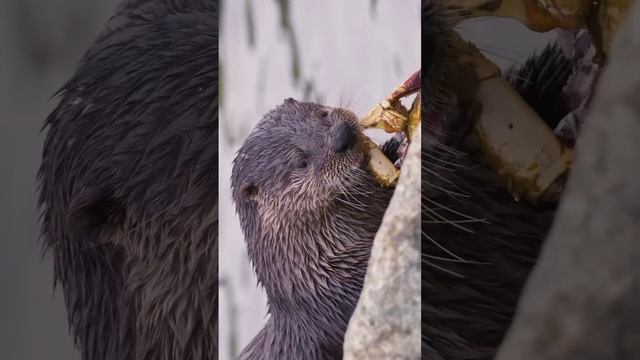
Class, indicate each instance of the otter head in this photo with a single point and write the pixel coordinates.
(309, 211)
(297, 160)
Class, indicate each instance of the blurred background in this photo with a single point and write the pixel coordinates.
(40, 42)
(347, 52)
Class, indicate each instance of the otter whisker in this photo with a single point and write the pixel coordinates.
(442, 183)
(433, 257)
(433, 241)
(445, 270)
(455, 212)
(452, 191)
(436, 218)
(351, 204)
(442, 162)
(353, 103)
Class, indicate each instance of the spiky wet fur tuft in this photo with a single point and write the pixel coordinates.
(541, 80)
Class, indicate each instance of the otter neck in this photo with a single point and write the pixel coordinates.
(313, 267)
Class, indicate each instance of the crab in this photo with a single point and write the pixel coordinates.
(532, 158)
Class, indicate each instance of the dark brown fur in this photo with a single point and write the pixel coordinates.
(308, 229)
(129, 182)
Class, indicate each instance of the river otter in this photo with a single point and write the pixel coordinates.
(309, 212)
(479, 244)
(128, 186)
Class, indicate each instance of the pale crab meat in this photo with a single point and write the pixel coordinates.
(516, 141)
(381, 167)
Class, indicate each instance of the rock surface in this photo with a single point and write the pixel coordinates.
(386, 322)
(583, 298)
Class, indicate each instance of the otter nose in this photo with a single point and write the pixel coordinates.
(343, 137)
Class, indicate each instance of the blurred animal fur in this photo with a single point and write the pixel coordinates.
(129, 182)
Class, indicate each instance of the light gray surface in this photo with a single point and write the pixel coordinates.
(40, 41)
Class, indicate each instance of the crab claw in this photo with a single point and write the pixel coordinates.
(390, 115)
(410, 86)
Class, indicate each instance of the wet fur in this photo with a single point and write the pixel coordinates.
(128, 186)
(478, 244)
(308, 231)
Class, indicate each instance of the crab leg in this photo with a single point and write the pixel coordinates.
(410, 86)
(390, 115)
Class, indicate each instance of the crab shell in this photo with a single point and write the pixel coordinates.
(601, 17)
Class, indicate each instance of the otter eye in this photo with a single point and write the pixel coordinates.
(249, 190)
(324, 113)
(302, 164)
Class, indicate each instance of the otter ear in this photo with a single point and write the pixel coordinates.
(290, 101)
(249, 190)
(92, 211)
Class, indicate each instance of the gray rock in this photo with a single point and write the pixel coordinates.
(583, 298)
(386, 322)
